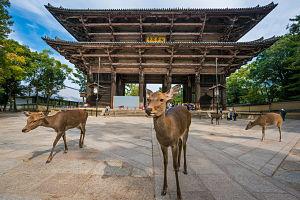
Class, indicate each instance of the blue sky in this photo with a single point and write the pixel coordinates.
(32, 20)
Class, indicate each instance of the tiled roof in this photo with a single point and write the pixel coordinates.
(138, 10)
(254, 42)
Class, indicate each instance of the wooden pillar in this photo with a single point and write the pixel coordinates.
(213, 103)
(169, 82)
(141, 88)
(198, 90)
(113, 87)
(164, 84)
(185, 93)
(123, 88)
(224, 93)
(189, 90)
(119, 93)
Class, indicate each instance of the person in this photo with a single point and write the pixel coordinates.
(107, 109)
(230, 114)
(221, 112)
(283, 113)
(234, 115)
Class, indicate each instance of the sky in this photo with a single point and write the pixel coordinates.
(32, 20)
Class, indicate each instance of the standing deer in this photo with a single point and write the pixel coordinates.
(171, 130)
(60, 122)
(216, 116)
(268, 119)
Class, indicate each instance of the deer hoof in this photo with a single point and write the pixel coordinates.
(185, 172)
(66, 151)
(163, 193)
(48, 161)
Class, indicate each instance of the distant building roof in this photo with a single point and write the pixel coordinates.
(69, 94)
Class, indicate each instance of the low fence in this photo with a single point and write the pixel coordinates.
(289, 106)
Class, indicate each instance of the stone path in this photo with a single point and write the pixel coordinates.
(121, 159)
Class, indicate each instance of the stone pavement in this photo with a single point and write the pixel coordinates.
(121, 159)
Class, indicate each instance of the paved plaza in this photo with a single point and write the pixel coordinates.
(121, 159)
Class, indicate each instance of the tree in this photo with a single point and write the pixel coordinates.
(5, 19)
(131, 89)
(80, 78)
(274, 76)
(12, 68)
(52, 75)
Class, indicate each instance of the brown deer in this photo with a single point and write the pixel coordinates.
(268, 119)
(216, 116)
(60, 122)
(171, 129)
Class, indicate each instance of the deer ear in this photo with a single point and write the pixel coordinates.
(149, 92)
(26, 113)
(173, 92)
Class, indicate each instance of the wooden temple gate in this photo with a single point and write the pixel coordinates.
(163, 46)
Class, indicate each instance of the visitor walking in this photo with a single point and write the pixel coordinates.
(283, 113)
(107, 109)
(221, 112)
(234, 115)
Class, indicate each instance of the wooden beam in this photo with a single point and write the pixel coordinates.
(202, 29)
(161, 56)
(138, 24)
(150, 33)
(141, 28)
(111, 29)
(171, 28)
(228, 29)
(84, 28)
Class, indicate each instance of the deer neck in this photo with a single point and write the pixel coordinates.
(161, 125)
(50, 123)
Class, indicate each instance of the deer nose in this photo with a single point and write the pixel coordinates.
(148, 111)
(23, 130)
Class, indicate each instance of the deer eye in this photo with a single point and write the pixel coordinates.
(161, 100)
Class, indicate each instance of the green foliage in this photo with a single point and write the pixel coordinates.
(12, 67)
(5, 19)
(41, 72)
(273, 76)
(179, 98)
(131, 89)
(80, 78)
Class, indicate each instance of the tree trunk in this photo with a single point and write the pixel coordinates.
(15, 104)
(48, 98)
(10, 100)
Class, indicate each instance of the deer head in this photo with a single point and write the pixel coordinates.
(158, 100)
(34, 120)
(249, 125)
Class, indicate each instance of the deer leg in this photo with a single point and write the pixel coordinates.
(279, 127)
(165, 154)
(65, 141)
(179, 154)
(175, 167)
(58, 136)
(185, 137)
(82, 134)
(212, 119)
(263, 133)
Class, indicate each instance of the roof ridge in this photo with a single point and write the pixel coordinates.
(270, 5)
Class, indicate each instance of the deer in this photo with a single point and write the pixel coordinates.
(216, 116)
(172, 128)
(60, 122)
(268, 119)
